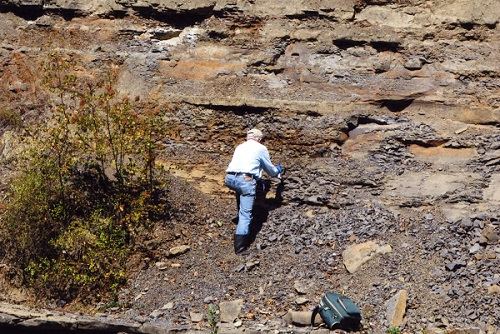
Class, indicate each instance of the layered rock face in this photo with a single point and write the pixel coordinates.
(385, 113)
(438, 57)
(343, 63)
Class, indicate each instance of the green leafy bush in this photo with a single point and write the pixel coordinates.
(87, 185)
(213, 319)
(393, 330)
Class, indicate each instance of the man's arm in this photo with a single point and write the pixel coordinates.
(267, 165)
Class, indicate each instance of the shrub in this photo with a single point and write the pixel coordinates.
(9, 118)
(393, 330)
(213, 319)
(88, 184)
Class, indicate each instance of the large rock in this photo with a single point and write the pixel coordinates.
(230, 311)
(25, 318)
(357, 255)
(396, 308)
(301, 318)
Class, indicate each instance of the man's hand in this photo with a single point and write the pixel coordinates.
(279, 168)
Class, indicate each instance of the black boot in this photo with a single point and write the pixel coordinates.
(241, 244)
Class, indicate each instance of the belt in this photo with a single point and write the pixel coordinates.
(241, 173)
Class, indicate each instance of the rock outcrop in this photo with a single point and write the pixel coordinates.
(384, 113)
(308, 56)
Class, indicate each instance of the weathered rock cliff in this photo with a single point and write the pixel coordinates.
(436, 57)
(385, 113)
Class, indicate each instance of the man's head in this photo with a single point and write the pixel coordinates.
(255, 134)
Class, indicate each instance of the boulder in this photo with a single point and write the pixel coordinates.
(359, 254)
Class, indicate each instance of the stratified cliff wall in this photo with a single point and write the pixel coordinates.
(439, 57)
(385, 114)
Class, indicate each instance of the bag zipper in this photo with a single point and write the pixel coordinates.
(330, 303)
(341, 302)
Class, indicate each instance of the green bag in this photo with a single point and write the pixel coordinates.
(337, 312)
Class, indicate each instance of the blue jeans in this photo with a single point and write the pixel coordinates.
(245, 196)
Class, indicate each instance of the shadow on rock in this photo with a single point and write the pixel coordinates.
(264, 205)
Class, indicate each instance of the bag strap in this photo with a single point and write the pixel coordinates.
(314, 313)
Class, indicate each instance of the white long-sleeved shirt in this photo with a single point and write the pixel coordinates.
(251, 157)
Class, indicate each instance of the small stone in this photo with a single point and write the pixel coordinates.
(301, 301)
(156, 314)
(452, 266)
(413, 64)
(167, 306)
(474, 249)
(229, 311)
(494, 289)
(300, 287)
(178, 250)
(272, 238)
(139, 296)
(461, 130)
(301, 318)
(161, 265)
(196, 317)
(310, 213)
(251, 264)
(489, 234)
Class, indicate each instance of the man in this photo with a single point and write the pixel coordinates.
(242, 174)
